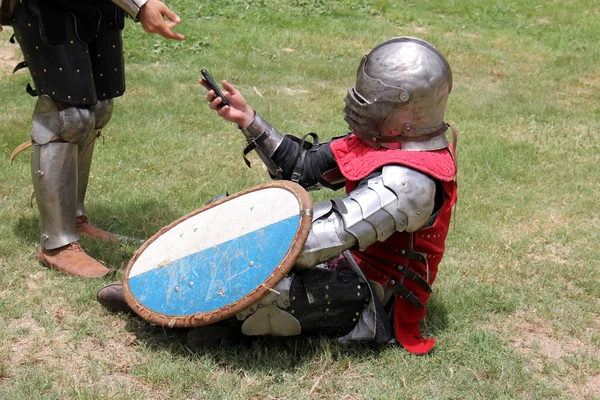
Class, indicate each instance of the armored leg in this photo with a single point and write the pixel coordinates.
(315, 301)
(57, 136)
(102, 113)
(54, 174)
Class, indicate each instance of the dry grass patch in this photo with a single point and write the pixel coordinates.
(91, 363)
(552, 355)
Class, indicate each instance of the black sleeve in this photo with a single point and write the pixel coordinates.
(314, 161)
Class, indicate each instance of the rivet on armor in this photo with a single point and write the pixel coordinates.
(115, 70)
(191, 284)
(428, 235)
(84, 99)
(294, 298)
(101, 75)
(374, 139)
(39, 173)
(358, 294)
(326, 296)
(77, 70)
(251, 311)
(418, 212)
(327, 310)
(392, 282)
(240, 316)
(326, 286)
(53, 92)
(357, 314)
(251, 263)
(404, 97)
(292, 311)
(358, 286)
(60, 69)
(353, 319)
(328, 303)
(37, 47)
(98, 55)
(28, 24)
(118, 92)
(285, 302)
(68, 97)
(44, 69)
(176, 289)
(402, 251)
(114, 46)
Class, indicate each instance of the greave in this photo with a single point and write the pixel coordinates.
(54, 175)
(85, 153)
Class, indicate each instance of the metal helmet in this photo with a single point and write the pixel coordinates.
(400, 94)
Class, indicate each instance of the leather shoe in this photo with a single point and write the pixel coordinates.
(111, 297)
(84, 227)
(72, 260)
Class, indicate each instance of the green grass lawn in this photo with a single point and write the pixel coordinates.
(516, 303)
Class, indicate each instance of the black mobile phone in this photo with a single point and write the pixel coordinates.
(214, 87)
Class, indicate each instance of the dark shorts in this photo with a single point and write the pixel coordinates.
(81, 69)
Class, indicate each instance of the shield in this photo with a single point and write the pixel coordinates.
(220, 259)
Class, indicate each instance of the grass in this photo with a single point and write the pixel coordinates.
(515, 308)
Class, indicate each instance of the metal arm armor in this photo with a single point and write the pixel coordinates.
(395, 200)
(265, 140)
(131, 7)
(310, 164)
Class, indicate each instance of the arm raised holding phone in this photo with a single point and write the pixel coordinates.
(235, 109)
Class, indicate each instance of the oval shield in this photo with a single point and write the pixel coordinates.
(220, 259)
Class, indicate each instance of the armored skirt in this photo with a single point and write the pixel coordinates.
(73, 49)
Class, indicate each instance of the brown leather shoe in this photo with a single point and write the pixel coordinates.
(72, 260)
(84, 227)
(111, 297)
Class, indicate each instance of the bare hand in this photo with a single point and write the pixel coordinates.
(237, 111)
(152, 17)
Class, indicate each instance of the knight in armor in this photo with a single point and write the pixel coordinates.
(73, 50)
(367, 267)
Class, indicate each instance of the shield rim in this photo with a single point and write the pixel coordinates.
(219, 314)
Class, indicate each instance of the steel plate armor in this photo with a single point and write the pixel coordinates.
(400, 94)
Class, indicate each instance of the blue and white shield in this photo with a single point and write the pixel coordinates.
(220, 259)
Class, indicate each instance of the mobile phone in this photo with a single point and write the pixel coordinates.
(214, 86)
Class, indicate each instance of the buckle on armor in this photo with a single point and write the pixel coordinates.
(252, 145)
(408, 295)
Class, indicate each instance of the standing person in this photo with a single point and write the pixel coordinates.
(74, 53)
(399, 173)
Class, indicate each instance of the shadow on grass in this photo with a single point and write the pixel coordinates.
(277, 354)
(258, 354)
